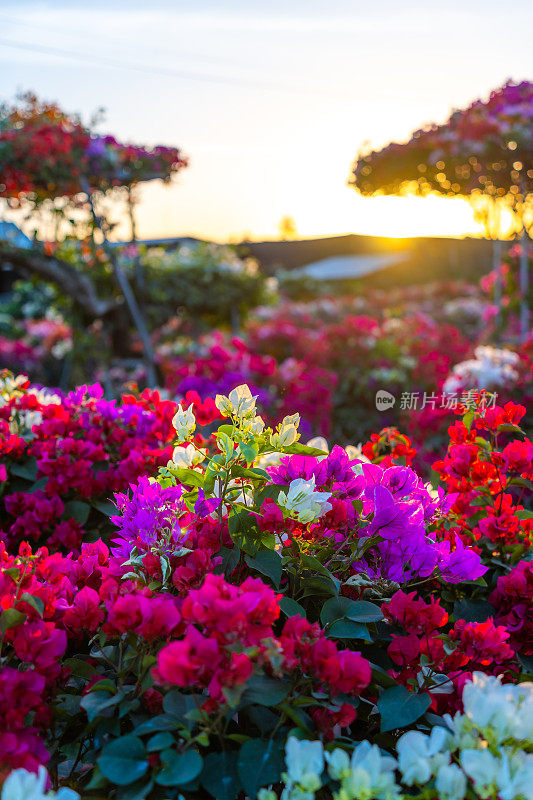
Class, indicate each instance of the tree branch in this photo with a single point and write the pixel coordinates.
(72, 282)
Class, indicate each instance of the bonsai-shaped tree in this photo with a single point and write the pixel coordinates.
(52, 166)
(483, 152)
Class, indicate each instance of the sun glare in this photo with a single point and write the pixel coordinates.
(396, 217)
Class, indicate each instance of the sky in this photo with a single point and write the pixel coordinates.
(270, 101)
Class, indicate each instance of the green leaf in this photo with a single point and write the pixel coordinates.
(97, 780)
(179, 768)
(254, 473)
(270, 492)
(230, 559)
(27, 470)
(137, 791)
(11, 618)
(468, 419)
(35, 602)
(381, 676)
(105, 507)
(299, 449)
(265, 691)
(399, 708)
(310, 562)
(189, 477)
(355, 610)
(508, 427)
(123, 760)
(301, 719)
(524, 514)
(291, 608)
(220, 776)
(105, 685)
(160, 741)
(38, 485)
(77, 510)
(225, 444)
(249, 451)
(244, 532)
(473, 610)
(519, 481)
(181, 705)
(96, 703)
(259, 763)
(348, 629)
(68, 702)
(526, 662)
(227, 429)
(268, 563)
(80, 668)
(162, 722)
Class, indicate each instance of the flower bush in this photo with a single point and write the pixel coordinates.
(481, 148)
(262, 618)
(46, 153)
(216, 363)
(62, 457)
(410, 354)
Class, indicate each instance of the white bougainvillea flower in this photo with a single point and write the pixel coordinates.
(450, 782)
(338, 764)
(287, 432)
(305, 761)
(184, 423)
(499, 711)
(239, 404)
(419, 756)
(252, 425)
(186, 457)
(257, 426)
(356, 454)
(303, 502)
(514, 778)
(372, 774)
(482, 767)
(23, 785)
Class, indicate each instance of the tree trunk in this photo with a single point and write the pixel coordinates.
(131, 301)
(524, 285)
(75, 284)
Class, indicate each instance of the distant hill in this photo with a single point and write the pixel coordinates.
(425, 259)
(421, 260)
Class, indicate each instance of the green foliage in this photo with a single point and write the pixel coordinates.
(207, 282)
(399, 707)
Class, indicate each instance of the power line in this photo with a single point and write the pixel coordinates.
(169, 72)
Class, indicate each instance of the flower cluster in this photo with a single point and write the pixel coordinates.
(47, 153)
(490, 369)
(60, 455)
(485, 473)
(229, 634)
(426, 656)
(482, 752)
(24, 785)
(481, 148)
(484, 749)
(513, 600)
